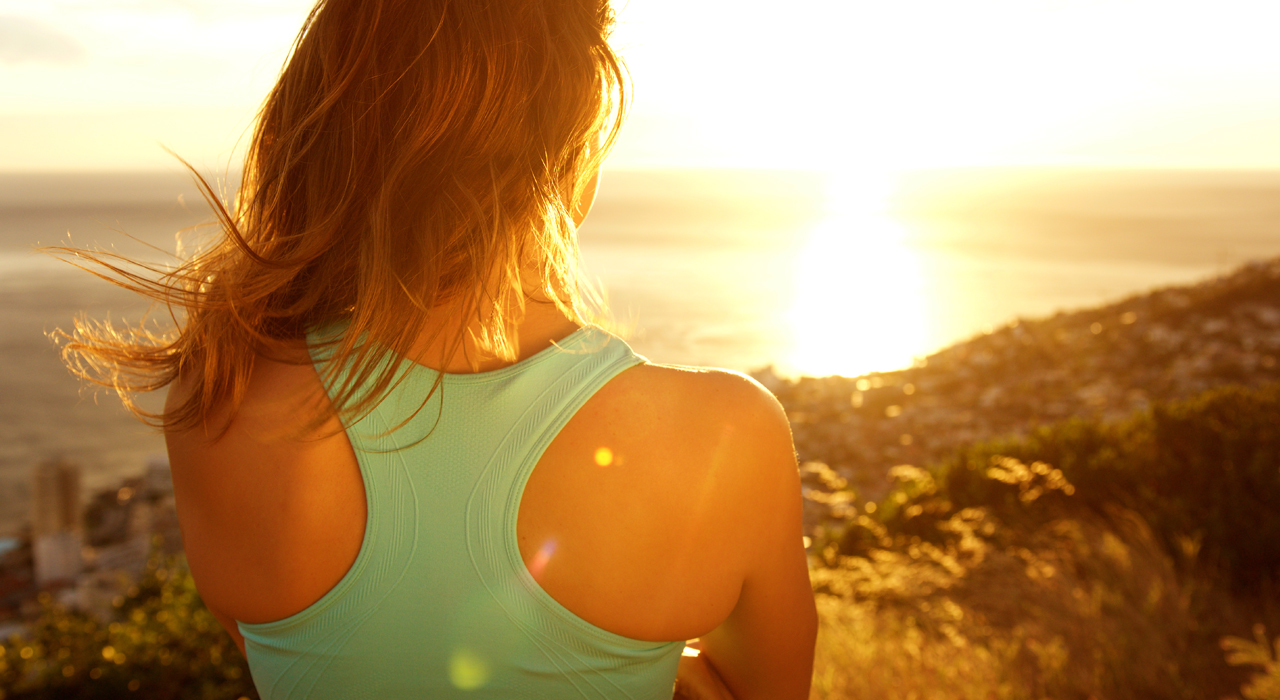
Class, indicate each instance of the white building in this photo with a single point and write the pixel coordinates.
(57, 536)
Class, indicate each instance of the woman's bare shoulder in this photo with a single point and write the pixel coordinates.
(275, 422)
(283, 393)
(723, 436)
(682, 434)
(260, 482)
(656, 534)
(763, 644)
(718, 408)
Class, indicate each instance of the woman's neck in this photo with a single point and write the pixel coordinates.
(543, 324)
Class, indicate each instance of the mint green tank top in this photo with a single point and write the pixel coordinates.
(439, 603)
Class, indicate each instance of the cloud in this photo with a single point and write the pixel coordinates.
(23, 40)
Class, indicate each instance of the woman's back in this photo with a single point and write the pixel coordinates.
(666, 506)
(416, 176)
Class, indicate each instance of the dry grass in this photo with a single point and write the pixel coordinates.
(1264, 685)
(1082, 605)
(865, 652)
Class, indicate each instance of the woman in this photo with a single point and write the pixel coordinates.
(405, 463)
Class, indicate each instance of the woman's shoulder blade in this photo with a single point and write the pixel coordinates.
(715, 435)
(707, 385)
(249, 484)
(691, 453)
(698, 404)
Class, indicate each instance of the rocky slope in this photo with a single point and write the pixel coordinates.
(1103, 362)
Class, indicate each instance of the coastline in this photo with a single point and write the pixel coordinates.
(1101, 362)
(1104, 362)
(672, 251)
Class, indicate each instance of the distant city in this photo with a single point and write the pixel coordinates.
(85, 554)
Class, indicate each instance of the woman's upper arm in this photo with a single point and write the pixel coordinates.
(765, 647)
(270, 516)
(198, 500)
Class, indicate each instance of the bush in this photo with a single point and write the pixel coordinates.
(1103, 559)
(1244, 652)
(1204, 473)
(160, 643)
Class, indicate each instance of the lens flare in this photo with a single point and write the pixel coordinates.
(540, 560)
(604, 457)
(468, 670)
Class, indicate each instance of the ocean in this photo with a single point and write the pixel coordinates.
(741, 269)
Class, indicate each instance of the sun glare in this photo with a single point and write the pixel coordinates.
(859, 301)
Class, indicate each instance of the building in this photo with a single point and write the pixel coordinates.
(57, 536)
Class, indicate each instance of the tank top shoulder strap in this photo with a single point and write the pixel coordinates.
(439, 599)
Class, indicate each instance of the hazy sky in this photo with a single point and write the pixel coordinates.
(830, 84)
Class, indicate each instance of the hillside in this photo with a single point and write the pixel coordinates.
(1103, 362)
(1076, 506)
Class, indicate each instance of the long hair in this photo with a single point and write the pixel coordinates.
(413, 154)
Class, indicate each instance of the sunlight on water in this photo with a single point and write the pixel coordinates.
(859, 298)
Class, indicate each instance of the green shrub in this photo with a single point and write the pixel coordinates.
(1256, 652)
(1204, 473)
(160, 643)
(1103, 559)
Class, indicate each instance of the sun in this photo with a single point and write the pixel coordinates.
(859, 298)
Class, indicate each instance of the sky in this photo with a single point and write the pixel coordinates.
(838, 85)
